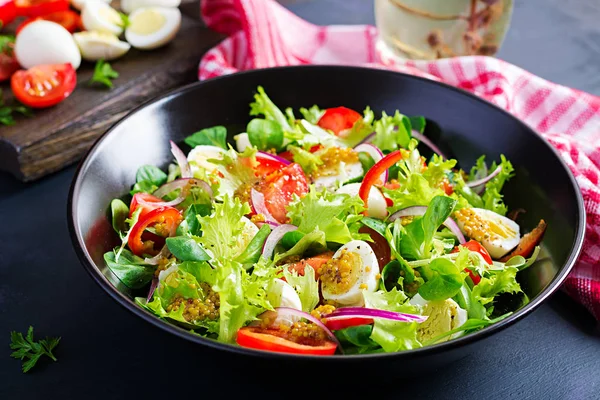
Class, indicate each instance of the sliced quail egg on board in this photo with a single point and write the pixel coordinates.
(377, 205)
(352, 270)
(129, 6)
(97, 15)
(45, 42)
(495, 232)
(443, 316)
(100, 45)
(152, 27)
(78, 4)
(198, 157)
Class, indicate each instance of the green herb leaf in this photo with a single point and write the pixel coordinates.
(186, 248)
(124, 20)
(265, 134)
(129, 268)
(6, 111)
(120, 212)
(215, 136)
(445, 282)
(103, 74)
(148, 179)
(26, 348)
(253, 251)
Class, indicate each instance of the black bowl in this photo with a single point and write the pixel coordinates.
(464, 126)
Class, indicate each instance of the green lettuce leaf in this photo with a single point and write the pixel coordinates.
(393, 336)
(310, 244)
(125, 236)
(392, 132)
(313, 114)
(307, 160)
(221, 229)
(263, 105)
(437, 170)
(186, 248)
(119, 212)
(237, 169)
(492, 198)
(504, 281)
(265, 134)
(129, 268)
(306, 286)
(214, 136)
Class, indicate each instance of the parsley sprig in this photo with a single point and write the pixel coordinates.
(7, 111)
(104, 74)
(25, 348)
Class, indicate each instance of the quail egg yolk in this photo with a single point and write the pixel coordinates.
(147, 22)
(339, 275)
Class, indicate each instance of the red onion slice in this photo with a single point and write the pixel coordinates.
(362, 312)
(366, 139)
(420, 210)
(184, 166)
(428, 143)
(257, 202)
(483, 181)
(376, 154)
(153, 287)
(164, 253)
(283, 311)
(273, 157)
(274, 238)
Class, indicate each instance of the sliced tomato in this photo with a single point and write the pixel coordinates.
(8, 62)
(315, 262)
(268, 339)
(475, 246)
(8, 12)
(35, 8)
(267, 166)
(338, 119)
(164, 220)
(447, 186)
(336, 325)
(380, 246)
(143, 198)
(69, 20)
(44, 85)
(279, 188)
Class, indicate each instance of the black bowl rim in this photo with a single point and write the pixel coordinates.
(454, 344)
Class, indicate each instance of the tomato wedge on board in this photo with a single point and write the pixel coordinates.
(338, 119)
(8, 12)
(164, 220)
(44, 85)
(336, 325)
(69, 20)
(143, 198)
(280, 186)
(35, 8)
(270, 340)
(8, 62)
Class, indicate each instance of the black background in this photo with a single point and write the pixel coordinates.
(108, 353)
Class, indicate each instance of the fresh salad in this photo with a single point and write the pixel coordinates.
(323, 234)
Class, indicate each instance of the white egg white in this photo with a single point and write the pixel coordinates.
(198, 157)
(129, 6)
(343, 173)
(45, 42)
(377, 206)
(443, 316)
(367, 273)
(152, 27)
(499, 235)
(97, 15)
(242, 142)
(248, 232)
(100, 45)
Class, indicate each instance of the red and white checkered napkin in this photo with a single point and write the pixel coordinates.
(264, 34)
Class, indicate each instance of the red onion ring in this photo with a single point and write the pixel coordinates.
(273, 157)
(184, 166)
(376, 154)
(153, 287)
(420, 210)
(257, 202)
(362, 312)
(181, 184)
(274, 238)
(478, 182)
(366, 139)
(301, 314)
(428, 143)
(164, 253)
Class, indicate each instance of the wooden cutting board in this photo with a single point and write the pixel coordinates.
(56, 137)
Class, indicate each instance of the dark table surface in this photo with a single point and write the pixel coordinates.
(108, 353)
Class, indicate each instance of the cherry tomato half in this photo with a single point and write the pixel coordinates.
(338, 119)
(35, 8)
(8, 62)
(69, 20)
(44, 85)
(271, 340)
